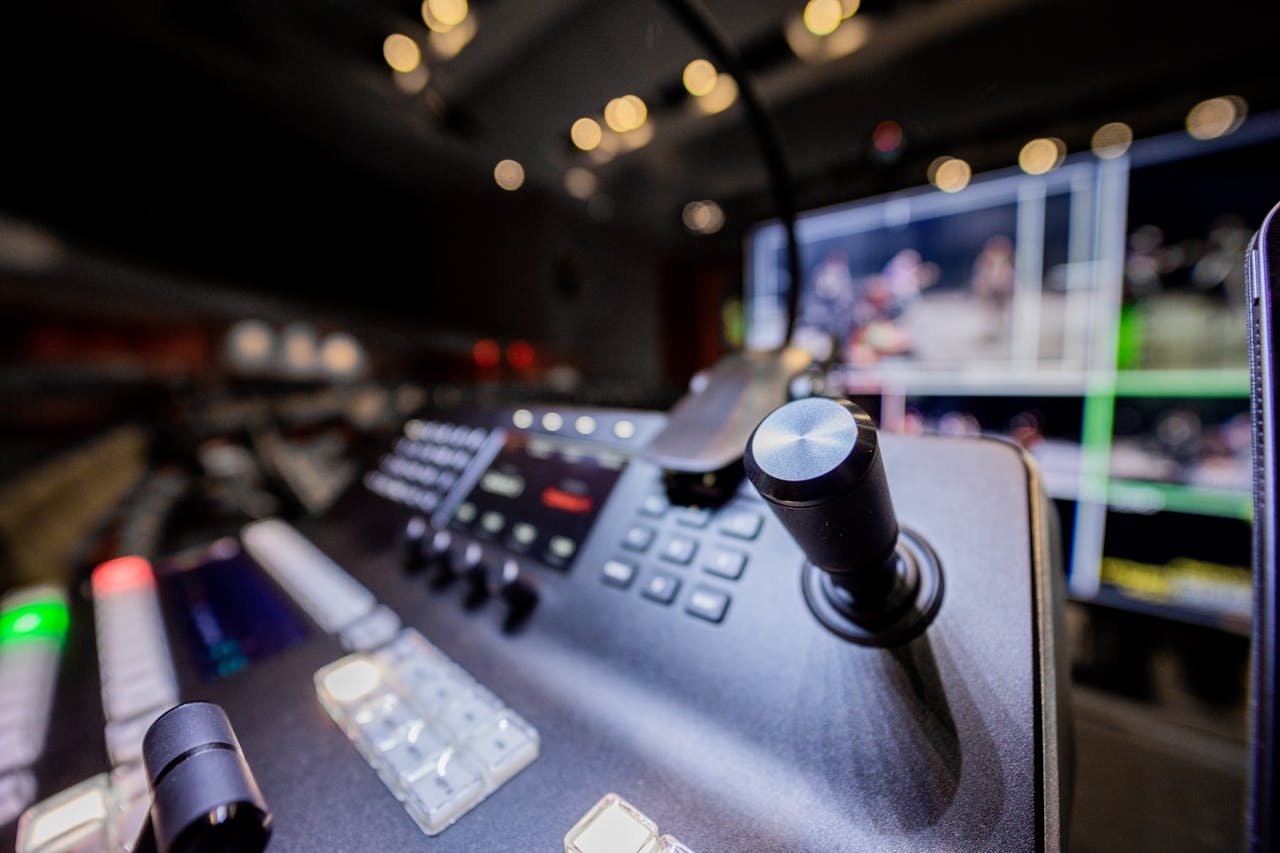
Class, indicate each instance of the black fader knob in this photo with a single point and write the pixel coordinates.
(817, 464)
(518, 591)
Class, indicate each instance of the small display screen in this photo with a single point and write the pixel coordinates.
(540, 496)
(231, 613)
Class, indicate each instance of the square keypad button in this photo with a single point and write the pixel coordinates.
(661, 587)
(638, 538)
(706, 603)
(741, 523)
(679, 550)
(619, 573)
(725, 562)
(654, 506)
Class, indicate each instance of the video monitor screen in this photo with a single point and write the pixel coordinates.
(1095, 315)
(996, 277)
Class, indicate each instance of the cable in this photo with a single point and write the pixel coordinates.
(698, 21)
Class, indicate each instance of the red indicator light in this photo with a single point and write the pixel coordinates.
(887, 136)
(486, 353)
(121, 574)
(520, 355)
(562, 500)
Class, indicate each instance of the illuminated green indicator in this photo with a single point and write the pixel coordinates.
(34, 620)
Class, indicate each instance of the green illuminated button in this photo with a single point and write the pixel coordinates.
(34, 619)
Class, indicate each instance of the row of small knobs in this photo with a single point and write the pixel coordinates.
(449, 558)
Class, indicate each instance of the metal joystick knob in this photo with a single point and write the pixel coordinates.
(817, 464)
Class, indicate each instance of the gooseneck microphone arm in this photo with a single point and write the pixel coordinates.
(699, 23)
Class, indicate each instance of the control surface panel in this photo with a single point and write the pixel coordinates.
(513, 588)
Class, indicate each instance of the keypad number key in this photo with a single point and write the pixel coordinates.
(638, 538)
(679, 550)
(706, 603)
(725, 563)
(661, 587)
(741, 523)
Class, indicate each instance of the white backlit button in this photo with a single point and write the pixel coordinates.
(638, 538)
(414, 754)
(492, 522)
(612, 826)
(708, 604)
(524, 533)
(725, 563)
(349, 680)
(562, 547)
(444, 792)
(384, 721)
(17, 790)
(73, 819)
(470, 711)
(466, 513)
(741, 523)
(654, 506)
(678, 550)
(503, 747)
(619, 573)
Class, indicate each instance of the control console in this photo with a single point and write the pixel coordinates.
(511, 639)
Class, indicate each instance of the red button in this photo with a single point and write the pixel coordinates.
(122, 574)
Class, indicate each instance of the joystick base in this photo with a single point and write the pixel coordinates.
(832, 605)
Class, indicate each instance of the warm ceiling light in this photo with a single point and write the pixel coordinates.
(625, 113)
(821, 17)
(1111, 140)
(721, 97)
(951, 174)
(448, 13)
(448, 43)
(1041, 155)
(847, 37)
(509, 174)
(585, 133)
(401, 52)
(638, 138)
(581, 183)
(1216, 117)
(411, 82)
(699, 77)
(703, 217)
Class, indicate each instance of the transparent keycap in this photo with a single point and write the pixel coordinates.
(384, 721)
(469, 711)
(612, 826)
(503, 747)
(415, 754)
(444, 792)
(72, 819)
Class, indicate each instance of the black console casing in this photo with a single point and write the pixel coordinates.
(762, 732)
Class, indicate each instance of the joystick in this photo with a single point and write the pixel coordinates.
(817, 464)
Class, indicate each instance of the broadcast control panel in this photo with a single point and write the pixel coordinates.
(508, 635)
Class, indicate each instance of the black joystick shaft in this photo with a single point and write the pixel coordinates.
(817, 463)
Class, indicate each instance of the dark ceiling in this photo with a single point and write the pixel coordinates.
(263, 143)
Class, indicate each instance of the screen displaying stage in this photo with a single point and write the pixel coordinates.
(1094, 314)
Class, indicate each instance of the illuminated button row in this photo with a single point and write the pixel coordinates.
(582, 424)
(440, 741)
(133, 650)
(321, 587)
(33, 625)
(615, 826)
(521, 535)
